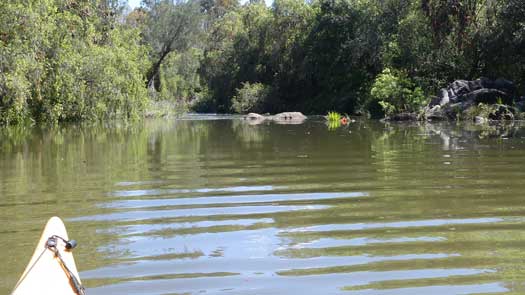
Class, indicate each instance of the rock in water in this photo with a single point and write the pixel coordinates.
(281, 118)
(289, 116)
(254, 116)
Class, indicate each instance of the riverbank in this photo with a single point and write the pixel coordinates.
(89, 61)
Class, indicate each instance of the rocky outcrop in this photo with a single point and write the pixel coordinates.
(281, 118)
(462, 95)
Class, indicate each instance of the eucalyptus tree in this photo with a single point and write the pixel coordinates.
(170, 26)
(218, 67)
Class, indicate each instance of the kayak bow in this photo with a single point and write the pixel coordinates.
(52, 269)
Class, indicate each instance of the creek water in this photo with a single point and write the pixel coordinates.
(214, 205)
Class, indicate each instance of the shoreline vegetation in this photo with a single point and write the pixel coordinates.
(73, 60)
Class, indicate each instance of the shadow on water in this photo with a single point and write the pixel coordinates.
(213, 204)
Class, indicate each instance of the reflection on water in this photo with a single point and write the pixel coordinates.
(218, 206)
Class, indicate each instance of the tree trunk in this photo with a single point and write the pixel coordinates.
(154, 70)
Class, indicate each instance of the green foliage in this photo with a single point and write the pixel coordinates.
(502, 40)
(63, 61)
(396, 93)
(327, 54)
(333, 116)
(169, 26)
(250, 98)
(179, 78)
(342, 55)
(333, 125)
(86, 60)
(164, 108)
(258, 44)
(335, 120)
(489, 111)
(481, 110)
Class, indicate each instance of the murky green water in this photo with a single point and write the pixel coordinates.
(217, 206)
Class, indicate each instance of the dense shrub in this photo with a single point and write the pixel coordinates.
(395, 92)
(250, 98)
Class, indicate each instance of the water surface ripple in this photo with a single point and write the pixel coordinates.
(217, 206)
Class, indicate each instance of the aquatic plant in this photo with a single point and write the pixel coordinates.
(335, 120)
(333, 116)
(332, 125)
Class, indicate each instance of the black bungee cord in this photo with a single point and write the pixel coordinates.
(51, 245)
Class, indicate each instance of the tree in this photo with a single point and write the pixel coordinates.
(62, 61)
(170, 26)
(343, 55)
(236, 53)
(503, 43)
